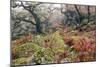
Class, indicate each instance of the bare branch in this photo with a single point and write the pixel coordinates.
(26, 7)
(62, 10)
(77, 10)
(29, 21)
(23, 19)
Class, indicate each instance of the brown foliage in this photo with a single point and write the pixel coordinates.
(83, 45)
(14, 52)
(22, 40)
(59, 56)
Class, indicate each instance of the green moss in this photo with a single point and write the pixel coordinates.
(27, 49)
(56, 42)
(19, 61)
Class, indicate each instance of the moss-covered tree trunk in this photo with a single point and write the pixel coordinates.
(31, 9)
(38, 23)
(88, 14)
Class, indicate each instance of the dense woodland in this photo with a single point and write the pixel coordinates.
(45, 33)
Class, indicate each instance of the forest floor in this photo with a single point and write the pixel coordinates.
(56, 47)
